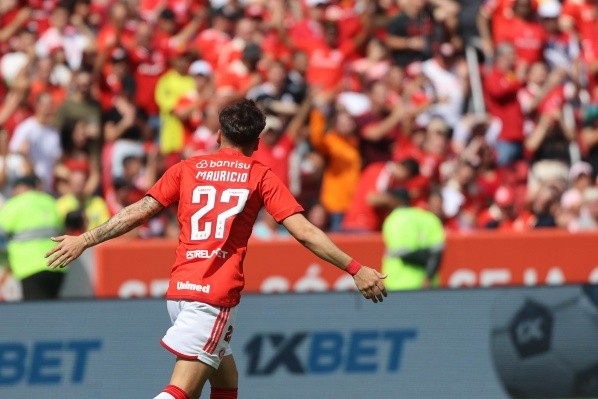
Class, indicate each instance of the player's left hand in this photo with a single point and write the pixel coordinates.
(370, 283)
(68, 249)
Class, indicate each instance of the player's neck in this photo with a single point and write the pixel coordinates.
(247, 151)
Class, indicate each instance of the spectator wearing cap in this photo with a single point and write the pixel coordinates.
(413, 34)
(448, 75)
(277, 142)
(28, 238)
(372, 202)
(189, 109)
(340, 148)
(171, 86)
(414, 242)
(502, 213)
(73, 39)
(581, 176)
(37, 139)
(559, 52)
(501, 85)
(568, 214)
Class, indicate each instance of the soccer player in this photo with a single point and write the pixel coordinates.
(219, 198)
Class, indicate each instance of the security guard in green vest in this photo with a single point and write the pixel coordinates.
(28, 220)
(414, 240)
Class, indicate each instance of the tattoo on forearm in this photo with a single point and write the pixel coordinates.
(124, 221)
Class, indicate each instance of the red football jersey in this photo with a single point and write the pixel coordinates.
(219, 198)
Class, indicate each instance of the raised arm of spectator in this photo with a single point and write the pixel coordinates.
(298, 120)
(10, 29)
(93, 179)
(317, 130)
(499, 88)
(113, 130)
(535, 139)
(377, 131)
(483, 24)
(188, 31)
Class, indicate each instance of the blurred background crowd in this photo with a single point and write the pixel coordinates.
(486, 112)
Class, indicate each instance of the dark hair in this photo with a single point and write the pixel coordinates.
(242, 122)
(412, 166)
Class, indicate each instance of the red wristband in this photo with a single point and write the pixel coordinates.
(353, 267)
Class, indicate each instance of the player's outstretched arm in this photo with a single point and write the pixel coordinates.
(369, 281)
(70, 247)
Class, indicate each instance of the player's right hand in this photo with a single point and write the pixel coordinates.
(370, 283)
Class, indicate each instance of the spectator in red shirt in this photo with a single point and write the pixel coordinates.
(148, 64)
(372, 201)
(378, 127)
(526, 34)
(501, 84)
(212, 40)
(494, 22)
(277, 143)
(241, 75)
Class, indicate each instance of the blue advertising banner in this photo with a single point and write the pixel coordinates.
(483, 343)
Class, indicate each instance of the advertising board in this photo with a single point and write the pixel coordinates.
(493, 343)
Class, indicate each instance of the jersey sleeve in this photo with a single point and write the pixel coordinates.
(167, 188)
(278, 200)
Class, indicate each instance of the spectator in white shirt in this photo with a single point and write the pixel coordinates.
(38, 140)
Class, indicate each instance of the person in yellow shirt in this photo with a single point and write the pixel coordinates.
(79, 211)
(339, 146)
(171, 87)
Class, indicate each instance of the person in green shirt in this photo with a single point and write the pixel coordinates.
(414, 240)
(27, 220)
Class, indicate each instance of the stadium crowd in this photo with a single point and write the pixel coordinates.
(492, 130)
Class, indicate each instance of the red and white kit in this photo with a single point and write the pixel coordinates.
(219, 196)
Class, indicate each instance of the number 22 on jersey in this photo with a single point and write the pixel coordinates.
(208, 195)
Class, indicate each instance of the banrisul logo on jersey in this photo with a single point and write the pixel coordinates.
(327, 352)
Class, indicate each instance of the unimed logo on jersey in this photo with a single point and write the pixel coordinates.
(46, 362)
(186, 285)
(326, 352)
